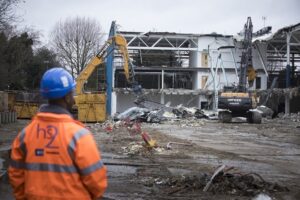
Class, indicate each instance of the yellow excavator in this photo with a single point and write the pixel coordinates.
(238, 101)
(91, 106)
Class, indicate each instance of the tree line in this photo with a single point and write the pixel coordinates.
(73, 42)
(21, 67)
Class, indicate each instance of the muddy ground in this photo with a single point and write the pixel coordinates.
(259, 159)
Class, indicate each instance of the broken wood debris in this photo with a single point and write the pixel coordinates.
(219, 170)
(221, 182)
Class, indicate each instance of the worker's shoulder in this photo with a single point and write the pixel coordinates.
(76, 127)
(72, 125)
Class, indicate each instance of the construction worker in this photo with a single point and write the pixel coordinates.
(55, 156)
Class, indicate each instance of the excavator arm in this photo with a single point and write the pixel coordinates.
(128, 66)
(91, 107)
(86, 73)
(121, 44)
(246, 68)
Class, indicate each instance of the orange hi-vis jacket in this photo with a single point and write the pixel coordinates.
(55, 157)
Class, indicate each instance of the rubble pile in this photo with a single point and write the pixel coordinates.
(281, 92)
(265, 111)
(133, 148)
(157, 115)
(225, 183)
(247, 185)
(191, 123)
(184, 112)
(139, 148)
(142, 115)
(295, 117)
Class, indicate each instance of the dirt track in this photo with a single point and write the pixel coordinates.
(269, 151)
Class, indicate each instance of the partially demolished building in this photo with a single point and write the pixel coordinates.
(182, 68)
(189, 69)
(282, 61)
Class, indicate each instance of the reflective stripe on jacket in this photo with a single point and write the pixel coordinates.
(55, 157)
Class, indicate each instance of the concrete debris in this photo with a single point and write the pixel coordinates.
(138, 148)
(158, 115)
(185, 112)
(133, 113)
(161, 112)
(133, 148)
(211, 114)
(169, 115)
(142, 115)
(159, 149)
(108, 128)
(265, 111)
(262, 197)
(191, 123)
(281, 92)
(295, 117)
(134, 128)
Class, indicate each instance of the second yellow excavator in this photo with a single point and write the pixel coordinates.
(91, 106)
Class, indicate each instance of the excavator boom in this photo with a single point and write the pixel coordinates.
(92, 107)
(246, 58)
(121, 43)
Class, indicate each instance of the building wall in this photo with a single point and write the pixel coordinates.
(210, 56)
(224, 59)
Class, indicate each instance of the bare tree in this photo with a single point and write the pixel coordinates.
(76, 41)
(7, 13)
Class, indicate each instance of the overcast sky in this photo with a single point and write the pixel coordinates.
(182, 16)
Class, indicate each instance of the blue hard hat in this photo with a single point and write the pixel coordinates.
(56, 83)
